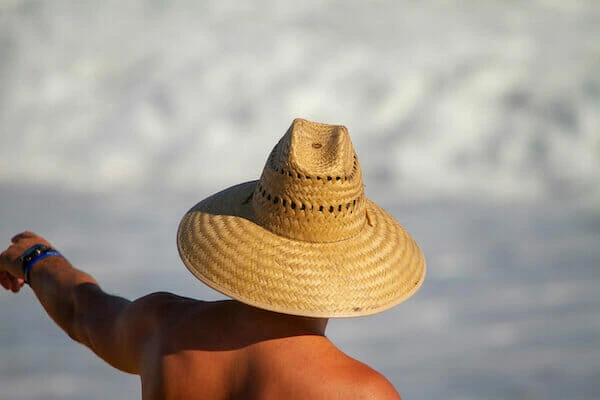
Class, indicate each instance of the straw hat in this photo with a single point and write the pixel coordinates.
(304, 239)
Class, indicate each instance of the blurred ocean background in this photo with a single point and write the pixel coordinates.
(477, 124)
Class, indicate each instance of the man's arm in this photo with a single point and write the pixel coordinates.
(116, 329)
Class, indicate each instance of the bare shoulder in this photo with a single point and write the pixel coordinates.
(159, 303)
(154, 310)
(377, 387)
(367, 384)
(335, 375)
(158, 298)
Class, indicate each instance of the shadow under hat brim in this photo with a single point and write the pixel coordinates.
(221, 244)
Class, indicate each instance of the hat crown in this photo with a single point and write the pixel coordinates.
(311, 188)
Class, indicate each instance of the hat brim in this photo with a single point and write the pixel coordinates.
(222, 245)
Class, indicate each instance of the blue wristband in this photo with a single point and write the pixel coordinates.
(36, 259)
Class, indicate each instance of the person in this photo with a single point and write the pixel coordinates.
(293, 249)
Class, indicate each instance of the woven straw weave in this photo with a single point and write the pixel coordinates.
(303, 239)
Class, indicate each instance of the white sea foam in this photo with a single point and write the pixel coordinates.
(497, 102)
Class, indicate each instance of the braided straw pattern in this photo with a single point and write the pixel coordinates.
(311, 187)
(327, 251)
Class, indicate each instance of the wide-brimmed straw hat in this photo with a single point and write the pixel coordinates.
(304, 239)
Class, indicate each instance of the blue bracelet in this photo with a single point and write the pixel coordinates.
(36, 259)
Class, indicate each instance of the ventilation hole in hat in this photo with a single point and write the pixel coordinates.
(308, 177)
(318, 178)
(299, 176)
(329, 178)
(332, 208)
(282, 171)
(290, 174)
(337, 178)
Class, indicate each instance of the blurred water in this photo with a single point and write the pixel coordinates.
(477, 126)
(510, 305)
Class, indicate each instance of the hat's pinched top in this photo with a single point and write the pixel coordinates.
(311, 188)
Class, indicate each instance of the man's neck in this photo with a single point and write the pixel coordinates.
(279, 325)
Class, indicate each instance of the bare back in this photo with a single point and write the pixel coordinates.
(227, 350)
(187, 349)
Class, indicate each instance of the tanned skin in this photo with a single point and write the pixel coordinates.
(188, 349)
